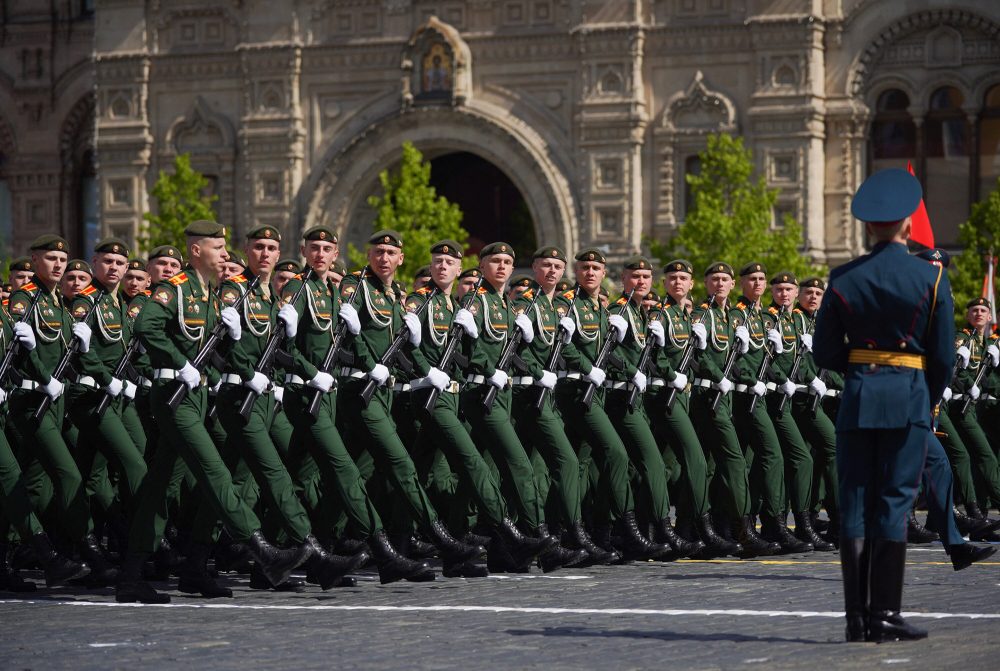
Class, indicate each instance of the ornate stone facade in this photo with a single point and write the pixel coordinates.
(594, 109)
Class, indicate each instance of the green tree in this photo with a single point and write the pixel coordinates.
(410, 206)
(730, 217)
(180, 199)
(977, 236)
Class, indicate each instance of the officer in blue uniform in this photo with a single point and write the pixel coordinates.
(886, 322)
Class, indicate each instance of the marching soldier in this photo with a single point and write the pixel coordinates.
(77, 277)
(19, 272)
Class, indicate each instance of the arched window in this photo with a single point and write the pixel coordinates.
(894, 135)
(989, 143)
(946, 165)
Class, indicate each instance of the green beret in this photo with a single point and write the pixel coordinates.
(471, 272)
(449, 247)
(975, 302)
(81, 265)
(203, 228)
(638, 263)
(137, 264)
(422, 271)
(49, 242)
(784, 278)
(720, 267)
(320, 233)
(264, 232)
(7, 287)
(288, 266)
(549, 252)
(564, 285)
(386, 237)
(496, 248)
(166, 250)
(591, 254)
(20, 263)
(520, 280)
(339, 267)
(679, 266)
(813, 283)
(112, 246)
(237, 257)
(752, 268)
(604, 292)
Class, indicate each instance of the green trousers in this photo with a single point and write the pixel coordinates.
(799, 465)
(983, 457)
(820, 433)
(633, 427)
(16, 506)
(767, 466)
(673, 425)
(958, 457)
(724, 446)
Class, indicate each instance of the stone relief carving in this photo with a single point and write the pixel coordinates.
(436, 65)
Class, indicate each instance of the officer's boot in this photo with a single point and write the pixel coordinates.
(276, 564)
(664, 533)
(131, 588)
(10, 581)
(102, 573)
(420, 549)
(58, 569)
(918, 533)
(194, 575)
(634, 545)
(753, 544)
(558, 556)
(167, 561)
(972, 507)
(888, 561)
(522, 548)
(818, 523)
(715, 545)
(393, 566)
(966, 554)
(452, 550)
(327, 568)
(579, 539)
(854, 557)
(805, 532)
(773, 530)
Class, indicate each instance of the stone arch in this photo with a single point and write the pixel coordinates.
(337, 189)
(76, 146)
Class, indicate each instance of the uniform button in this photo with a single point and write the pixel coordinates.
(871, 346)
(902, 345)
(872, 366)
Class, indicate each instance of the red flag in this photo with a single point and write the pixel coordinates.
(921, 231)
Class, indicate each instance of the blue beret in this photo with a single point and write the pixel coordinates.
(887, 196)
(935, 256)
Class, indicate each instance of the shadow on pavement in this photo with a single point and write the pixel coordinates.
(661, 635)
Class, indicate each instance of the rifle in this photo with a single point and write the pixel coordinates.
(71, 350)
(734, 352)
(815, 404)
(685, 363)
(980, 374)
(553, 362)
(766, 363)
(336, 343)
(204, 355)
(602, 356)
(390, 353)
(505, 357)
(791, 376)
(647, 353)
(274, 343)
(119, 371)
(454, 339)
(15, 347)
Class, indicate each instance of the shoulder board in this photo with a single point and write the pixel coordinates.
(569, 295)
(356, 273)
(5, 302)
(773, 310)
(994, 336)
(88, 290)
(178, 279)
(965, 331)
(797, 311)
(741, 306)
(704, 306)
(482, 290)
(238, 279)
(29, 287)
(528, 294)
(423, 291)
(147, 292)
(620, 301)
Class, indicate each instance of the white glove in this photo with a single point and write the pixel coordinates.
(114, 387)
(349, 315)
(568, 327)
(214, 389)
(974, 392)
(818, 386)
(639, 380)
(3, 397)
(724, 385)
(994, 353)
(656, 331)
(129, 390)
(618, 323)
(946, 396)
(807, 342)
(759, 388)
(777, 342)
(258, 383)
(82, 333)
(379, 373)
(438, 379)
(679, 382)
(289, 316)
(55, 388)
(322, 381)
(231, 318)
(595, 376)
(700, 335)
(527, 330)
(189, 375)
(467, 321)
(499, 379)
(548, 379)
(962, 353)
(25, 336)
(743, 338)
(412, 322)
(788, 388)
(279, 394)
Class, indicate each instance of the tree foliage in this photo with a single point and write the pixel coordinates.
(180, 199)
(978, 236)
(730, 217)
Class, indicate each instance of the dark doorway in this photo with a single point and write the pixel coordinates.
(493, 207)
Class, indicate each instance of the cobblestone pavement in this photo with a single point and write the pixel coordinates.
(782, 614)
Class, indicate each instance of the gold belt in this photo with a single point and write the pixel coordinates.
(879, 358)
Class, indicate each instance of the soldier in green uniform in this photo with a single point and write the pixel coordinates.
(77, 277)
(723, 334)
(19, 272)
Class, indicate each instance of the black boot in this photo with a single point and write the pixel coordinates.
(276, 564)
(966, 554)
(887, 565)
(330, 568)
(773, 530)
(917, 533)
(854, 563)
(805, 532)
(557, 556)
(58, 569)
(393, 566)
(715, 545)
(473, 538)
(10, 581)
(131, 588)
(419, 549)
(195, 578)
(468, 569)
(522, 548)
(578, 539)
(818, 523)
(664, 533)
(452, 550)
(102, 573)
(966, 524)
(972, 507)
(753, 544)
(634, 545)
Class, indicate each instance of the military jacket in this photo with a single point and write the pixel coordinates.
(630, 349)
(591, 329)
(545, 321)
(750, 315)
(991, 383)
(380, 310)
(495, 321)
(140, 362)
(806, 323)
(781, 365)
(711, 361)
(52, 324)
(111, 331)
(318, 307)
(258, 313)
(975, 341)
(677, 330)
(435, 325)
